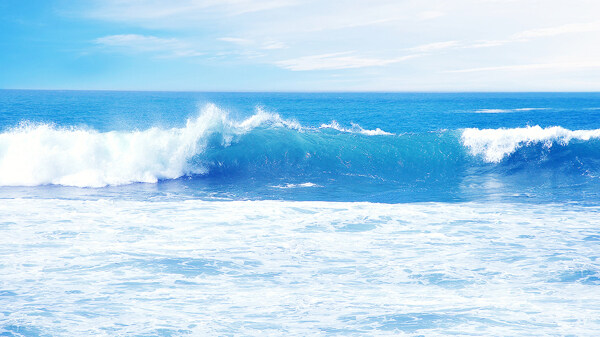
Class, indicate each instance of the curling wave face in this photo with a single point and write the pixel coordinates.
(266, 146)
(44, 154)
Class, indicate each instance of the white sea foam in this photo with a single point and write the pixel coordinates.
(45, 154)
(492, 111)
(496, 111)
(495, 144)
(39, 154)
(286, 186)
(530, 109)
(269, 268)
(355, 128)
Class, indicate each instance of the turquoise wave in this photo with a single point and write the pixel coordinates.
(266, 147)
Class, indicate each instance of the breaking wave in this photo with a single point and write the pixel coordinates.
(267, 145)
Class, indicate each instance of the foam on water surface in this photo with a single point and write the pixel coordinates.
(497, 144)
(115, 267)
(38, 154)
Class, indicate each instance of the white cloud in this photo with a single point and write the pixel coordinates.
(236, 40)
(181, 11)
(270, 45)
(167, 47)
(439, 46)
(523, 36)
(487, 43)
(428, 15)
(336, 61)
(302, 35)
(429, 47)
(534, 66)
(558, 30)
(277, 15)
(266, 45)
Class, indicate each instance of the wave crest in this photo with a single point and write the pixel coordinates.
(267, 146)
(493, 145)
(45, 154)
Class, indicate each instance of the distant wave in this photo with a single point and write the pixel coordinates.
(355, 129)
(496, 144)
(267, 146)
(286, 186)
(496, 111)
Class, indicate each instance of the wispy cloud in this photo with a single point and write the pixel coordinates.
(345, 60)
(268, 44)
(272, 44)
(531, 34)
(558, 30)
(533, 66)
(166, 47)
(429, 47)
(487, 43)
(428, 15)
(462, 36)
(236, 40)
(523, 36)
(127, 10)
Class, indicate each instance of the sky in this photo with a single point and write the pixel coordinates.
(295, 45)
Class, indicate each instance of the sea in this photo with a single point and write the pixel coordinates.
(299, 214)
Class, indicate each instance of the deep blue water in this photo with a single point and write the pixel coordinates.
(381, 147)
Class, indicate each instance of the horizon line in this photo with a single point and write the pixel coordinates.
(315, 91)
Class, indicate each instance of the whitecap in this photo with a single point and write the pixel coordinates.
(39, 154)
(495, 144)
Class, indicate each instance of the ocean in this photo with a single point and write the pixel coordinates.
(299, 214)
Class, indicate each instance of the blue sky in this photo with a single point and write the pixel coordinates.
(290, 45)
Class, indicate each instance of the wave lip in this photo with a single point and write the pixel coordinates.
(493, 145)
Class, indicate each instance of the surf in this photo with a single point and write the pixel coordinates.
(213, 145)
